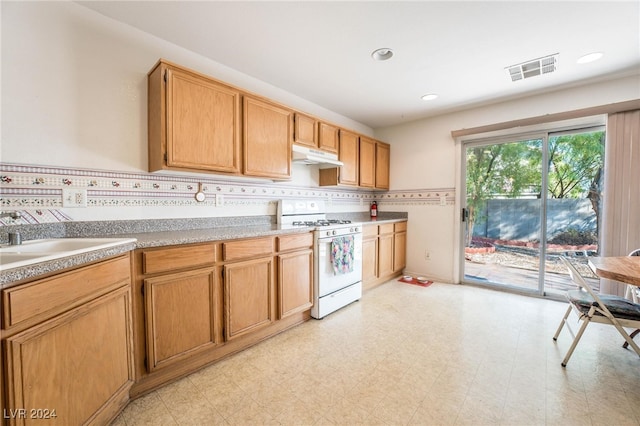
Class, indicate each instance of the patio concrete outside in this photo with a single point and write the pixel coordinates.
(521, 271)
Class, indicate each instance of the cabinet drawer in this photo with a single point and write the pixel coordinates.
(369, 231)
(177, 258)
(387, 228)
(297, 241)
(400, 226)
(50, 296)
(245, 249)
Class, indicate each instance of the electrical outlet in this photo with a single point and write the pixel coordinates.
(72, 197)
(427, 255)
(219, 200)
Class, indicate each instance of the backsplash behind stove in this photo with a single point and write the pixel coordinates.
(37, 190)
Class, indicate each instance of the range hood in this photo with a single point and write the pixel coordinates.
(304, 155)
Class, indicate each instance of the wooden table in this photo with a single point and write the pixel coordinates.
(625, 269)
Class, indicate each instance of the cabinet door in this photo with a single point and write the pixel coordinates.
(399, 251)
(348, 154)
(383, 151)
(367, 162)
(76, 364)
(328, 137)
(180, 316)
(305, 131)
(369, 259)
(295, 282)
(249, 296)
(385, 255)
(268, 135)
(203, 123)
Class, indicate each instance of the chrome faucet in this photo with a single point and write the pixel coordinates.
(12, 215)
(15, 238)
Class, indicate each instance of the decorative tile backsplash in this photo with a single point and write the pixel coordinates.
(38, 191)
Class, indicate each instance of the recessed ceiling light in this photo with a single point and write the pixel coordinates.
(590, 57)
(382, 54)
(429, 97)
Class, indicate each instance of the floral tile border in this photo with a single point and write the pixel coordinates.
(39, 188)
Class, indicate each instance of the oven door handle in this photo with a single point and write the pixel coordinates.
(339, 292)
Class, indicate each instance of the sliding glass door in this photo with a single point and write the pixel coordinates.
(528, 200)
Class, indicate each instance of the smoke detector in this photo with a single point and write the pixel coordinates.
(544, 65)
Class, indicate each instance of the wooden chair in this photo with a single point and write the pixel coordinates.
(591, 307)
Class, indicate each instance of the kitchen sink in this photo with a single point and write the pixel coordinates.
(35, 251)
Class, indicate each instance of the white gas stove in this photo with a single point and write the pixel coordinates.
(337, 254)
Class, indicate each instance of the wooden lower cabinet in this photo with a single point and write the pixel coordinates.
(219, 298)
(75, 367)
(383, 252)
(295, 279)
(78, 356)
(249, 296)
(181, 299)
(385, 255)
(370, 259)
(399, 246)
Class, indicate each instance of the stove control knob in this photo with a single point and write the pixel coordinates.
(357, 229)
(328, 233)
(334, 232)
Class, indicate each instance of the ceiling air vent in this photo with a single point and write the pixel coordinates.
(532, 68)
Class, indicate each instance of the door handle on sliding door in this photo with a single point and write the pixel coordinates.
(464, 214)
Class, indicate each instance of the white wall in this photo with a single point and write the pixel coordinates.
(74, 95)
(74, 87)
(424, 155)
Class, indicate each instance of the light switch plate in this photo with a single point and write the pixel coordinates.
(72, 197)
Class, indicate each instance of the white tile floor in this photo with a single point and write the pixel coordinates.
(408, 355)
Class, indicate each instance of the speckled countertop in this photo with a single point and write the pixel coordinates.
(18, 275)
(364, 218)
(188, 236)
(153, 233)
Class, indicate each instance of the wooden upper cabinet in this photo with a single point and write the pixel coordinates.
(383, 151)
(348, 154)
(305, 131)
(194, 122)
(268, 135)
(367, 166)
(328, 137)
